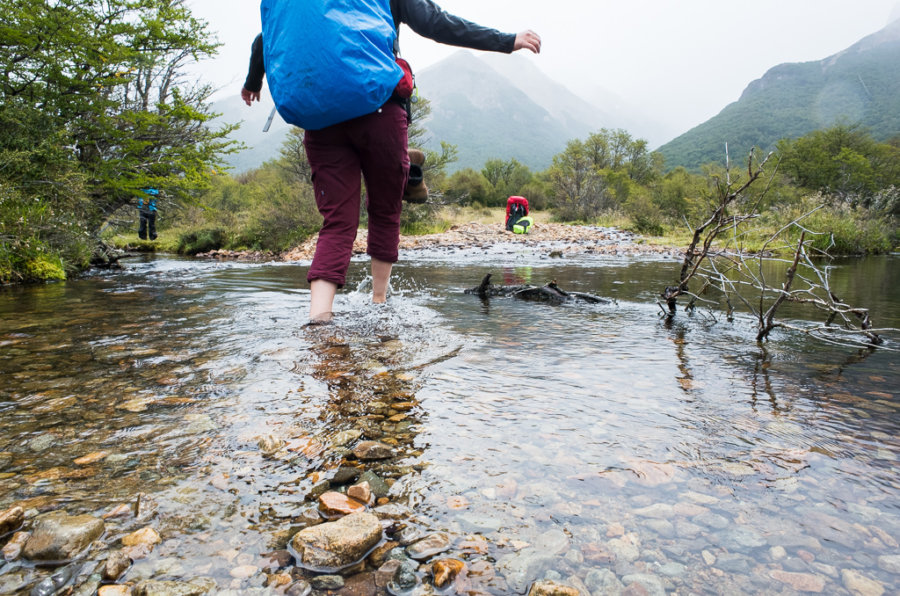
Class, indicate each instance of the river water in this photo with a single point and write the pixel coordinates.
(595, 445)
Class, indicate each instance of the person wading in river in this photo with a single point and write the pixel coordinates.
(372, 146)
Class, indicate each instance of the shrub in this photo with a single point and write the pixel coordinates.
(205, 240)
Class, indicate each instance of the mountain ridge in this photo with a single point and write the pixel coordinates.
(860, 84)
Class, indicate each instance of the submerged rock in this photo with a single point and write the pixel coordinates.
(860, 585)
(14, 547)
(428, 546)
(446, 570)
(334, 545)
(371, 450)
(551, 588)
(116, 564)
(56, 536)
(334, 503)
(11, 519)
(802, 582)
(196, 587)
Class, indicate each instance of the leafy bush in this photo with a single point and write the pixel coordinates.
(645, 216)
(836, 228)
(197, 241)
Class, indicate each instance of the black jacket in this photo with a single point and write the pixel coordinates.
(425, 18)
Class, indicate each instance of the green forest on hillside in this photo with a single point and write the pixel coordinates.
(791, 100)
(849, 179)
(96, 107)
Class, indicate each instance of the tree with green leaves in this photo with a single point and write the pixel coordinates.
(506, 179)
(97, 105)
(844, 161)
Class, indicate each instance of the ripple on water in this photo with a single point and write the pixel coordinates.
(682, 447)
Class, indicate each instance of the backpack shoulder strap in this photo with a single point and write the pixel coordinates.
(395, 13)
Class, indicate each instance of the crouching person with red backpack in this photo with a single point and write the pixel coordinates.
(335, 74)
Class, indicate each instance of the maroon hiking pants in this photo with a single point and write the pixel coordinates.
(373, 145)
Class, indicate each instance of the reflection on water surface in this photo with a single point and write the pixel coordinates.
(595, 446)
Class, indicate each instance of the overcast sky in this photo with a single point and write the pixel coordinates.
(680, 61)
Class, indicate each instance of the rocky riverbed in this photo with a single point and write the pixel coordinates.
(548, 239)
(175, 429)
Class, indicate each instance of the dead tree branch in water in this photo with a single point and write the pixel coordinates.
(550, 293)
(707, 232)
(730, 276)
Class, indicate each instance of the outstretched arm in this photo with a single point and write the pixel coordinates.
(528, 40)
(428, 20)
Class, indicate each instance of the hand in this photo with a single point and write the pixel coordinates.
(249, 96)
(528, 40)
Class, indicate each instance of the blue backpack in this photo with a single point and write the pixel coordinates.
(328, 61)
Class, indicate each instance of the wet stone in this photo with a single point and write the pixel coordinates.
(551, 588)
(712, 520)
(318, 490)
(651, 584)
(428, 546)
(42, 442)
(408, 535)
(344, 438)
(362, 492)
(361, 584)
(13, 549)
(446, 570)
(522, 567)
(890, 563)
(345, 475)
(116, 564)
(802, 582)
(404, 577)
(174, 588)
(861, 585)
(663, 527)
(56, 581)
(385, 573)
(277, 559)
(89, 586)
(57, 536)
(373, 450)
(379, 487)
(14, 581)
(300, 587)
(733, 563)
(672, 569)
(379, 554)
(327, 582)
(741, 538)
(11, 519)
(335, 503)
(603, 581)
(337, 544)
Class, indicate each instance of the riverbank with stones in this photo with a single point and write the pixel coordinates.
(347, 526)
(546, 239)
(358, 535)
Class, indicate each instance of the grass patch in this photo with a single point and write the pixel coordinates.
(166, 241)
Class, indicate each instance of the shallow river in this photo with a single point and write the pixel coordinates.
(595, 445)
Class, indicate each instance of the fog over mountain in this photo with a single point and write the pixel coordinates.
(502, 106)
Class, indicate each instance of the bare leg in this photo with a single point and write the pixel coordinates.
(321, 300)
(381, 275)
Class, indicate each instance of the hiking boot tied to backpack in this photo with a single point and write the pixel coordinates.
(416, 192)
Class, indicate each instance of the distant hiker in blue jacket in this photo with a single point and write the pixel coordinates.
(147, 213)
(372, 146)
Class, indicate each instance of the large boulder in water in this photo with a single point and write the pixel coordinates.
(334, 545)
(57, 536)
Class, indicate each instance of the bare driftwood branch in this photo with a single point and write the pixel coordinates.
(550, 293)
(728, 275)
(717, 223)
